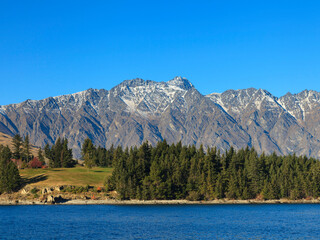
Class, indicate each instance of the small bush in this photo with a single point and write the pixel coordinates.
(34, 190)
(35, 163)
(79, 189)
(194, 196)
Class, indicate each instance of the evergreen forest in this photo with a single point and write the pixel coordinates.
(186, 172)
(175, 171)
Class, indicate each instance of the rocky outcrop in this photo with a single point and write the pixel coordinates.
(54, 199)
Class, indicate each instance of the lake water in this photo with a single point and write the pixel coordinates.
(278, 221)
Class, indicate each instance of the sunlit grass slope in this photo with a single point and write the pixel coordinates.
(78, 176)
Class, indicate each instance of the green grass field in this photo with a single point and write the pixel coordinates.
(78, 176)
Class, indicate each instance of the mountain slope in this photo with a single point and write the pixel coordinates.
(136, 110)
(6, 140)
(268, 121)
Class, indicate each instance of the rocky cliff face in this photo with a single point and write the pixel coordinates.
(270, 121)
(138, 110)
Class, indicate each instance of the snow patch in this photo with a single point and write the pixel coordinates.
(3, 110)
(156, 96)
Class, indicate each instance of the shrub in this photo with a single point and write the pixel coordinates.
(34, 190)
(35, 163)
(194, 196)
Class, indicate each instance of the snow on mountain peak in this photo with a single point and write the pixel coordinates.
(181, 82)
(150, 96)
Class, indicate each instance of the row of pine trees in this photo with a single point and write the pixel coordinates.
(180, 172)
(185, 172)
(58, 154)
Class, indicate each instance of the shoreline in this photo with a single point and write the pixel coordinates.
(158, 202)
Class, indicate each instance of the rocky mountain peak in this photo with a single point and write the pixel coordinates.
(150, 97)
(265, 92)
(311, 94)
(181, 82)
(133, 83)
(288, 94)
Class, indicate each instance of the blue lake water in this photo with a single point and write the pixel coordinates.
(278, 221)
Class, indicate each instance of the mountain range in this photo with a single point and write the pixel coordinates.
(137, 110)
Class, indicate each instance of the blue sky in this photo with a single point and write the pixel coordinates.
(49, 48)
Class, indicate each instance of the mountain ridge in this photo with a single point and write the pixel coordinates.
(137, 110)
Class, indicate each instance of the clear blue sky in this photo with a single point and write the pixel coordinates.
(49, 48)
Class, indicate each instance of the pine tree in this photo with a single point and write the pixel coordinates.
(88, 153)
(40, 156)
(26, 149)
(66, 155)
(9, 174)
(102, 157)
(57, 150)
(17, 144)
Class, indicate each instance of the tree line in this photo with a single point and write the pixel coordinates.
(58, 154)
(180, 172)
(186, 172)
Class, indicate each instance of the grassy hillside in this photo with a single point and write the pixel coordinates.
(79, 176)
(7, 140)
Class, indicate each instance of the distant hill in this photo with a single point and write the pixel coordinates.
(136, 110)
(7, 140)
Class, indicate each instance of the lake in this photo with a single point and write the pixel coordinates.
(269, 221)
